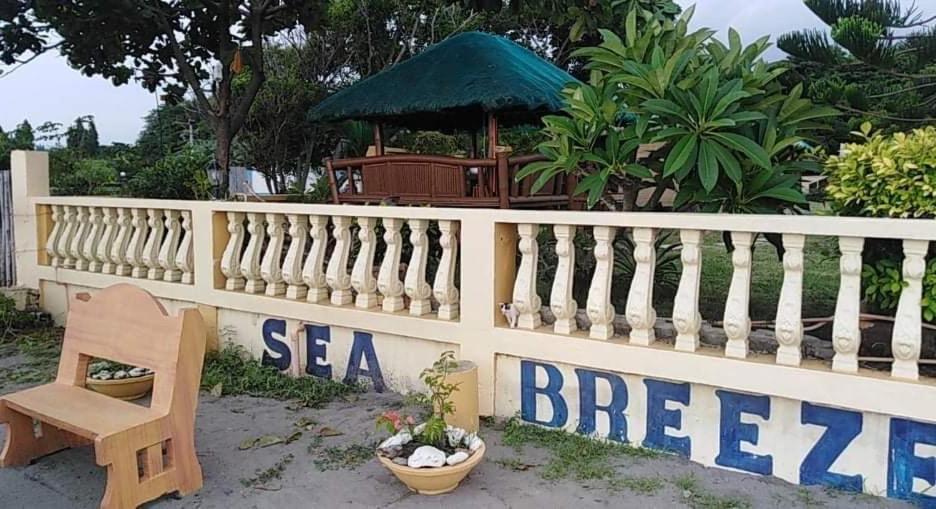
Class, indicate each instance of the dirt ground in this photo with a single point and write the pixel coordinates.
(331, 465)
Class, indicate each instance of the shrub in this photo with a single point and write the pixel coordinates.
(179, 176)
(86, 177)
(885, 176)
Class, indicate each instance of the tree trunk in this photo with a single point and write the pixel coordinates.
(223, 157)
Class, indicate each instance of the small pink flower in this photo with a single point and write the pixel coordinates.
(410, 420)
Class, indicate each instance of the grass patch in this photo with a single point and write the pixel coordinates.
(639, 485)
(820, 281)
(344, 458)
(573, 456)
(35, 338)
(236, 373)
(263, 477)
(699, 498)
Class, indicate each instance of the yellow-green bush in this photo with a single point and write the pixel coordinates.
(886, 176)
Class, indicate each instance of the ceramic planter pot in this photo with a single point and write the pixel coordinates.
(126, 389)
(433, 481)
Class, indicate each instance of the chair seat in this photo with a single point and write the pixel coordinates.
(81, 411)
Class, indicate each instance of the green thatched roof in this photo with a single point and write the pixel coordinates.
(452, 84)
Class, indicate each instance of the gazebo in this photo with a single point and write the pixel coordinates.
(473, 82)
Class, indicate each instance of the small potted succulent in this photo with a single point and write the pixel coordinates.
(431, 458)
(119, 380)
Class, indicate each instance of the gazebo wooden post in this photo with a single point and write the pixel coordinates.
(333, 181)
(378, 139)
(503, 180)
(491, 135)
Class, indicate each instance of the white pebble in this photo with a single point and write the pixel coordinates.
(426, 456)
(456, 458)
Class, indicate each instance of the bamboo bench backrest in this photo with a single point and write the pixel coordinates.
(126, 324)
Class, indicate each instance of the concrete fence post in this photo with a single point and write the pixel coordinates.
(30, 177)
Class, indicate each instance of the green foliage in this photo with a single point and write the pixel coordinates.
(572, 456)
(179, 176)
(86, 177)
(439, 398)
(731, 132)
(885, 176)
(21, 138)
(167, 129)
(236, 373)
(431, 142)
(882, 283)
(82, 136)
(880, 54)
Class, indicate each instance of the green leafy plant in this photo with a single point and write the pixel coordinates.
(885, 176)
(720, 128)
(882, 283)
(179, 176)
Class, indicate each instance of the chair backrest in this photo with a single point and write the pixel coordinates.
(126, 324)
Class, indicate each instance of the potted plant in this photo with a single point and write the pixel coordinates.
(119, 380)
(431, 458)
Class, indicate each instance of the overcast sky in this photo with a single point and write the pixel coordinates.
(48, 89)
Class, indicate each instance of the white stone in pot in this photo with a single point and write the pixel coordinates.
(120, 375)
(455, 435)
(474, 443)
(399, 440)
(456, 458)
(103, 375)
(426, 456)
(136, 372)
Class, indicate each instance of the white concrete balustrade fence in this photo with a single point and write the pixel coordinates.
(420, 280)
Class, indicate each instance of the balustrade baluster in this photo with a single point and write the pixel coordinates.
(846, 329)
(120, 251)
(154, 220)
(737, 309)
(639, 310)
(250, 263)
(58, 226)
(908, 324)
(185, 256)
(137, 246)
(789, 329)
(561, 301)
(107, 240)
(270, 268)
(292, 265)
(76, 248)
(336, 274)
(362, 274)
(388, 278)
(312, 274)
(686, 317)
(170, 247)
(231, 258)
(444, 288)
(96, 225)
(63, 248)
(599, 308)
(415, 283)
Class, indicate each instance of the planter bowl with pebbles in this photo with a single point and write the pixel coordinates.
(428, 470)
(126, 384)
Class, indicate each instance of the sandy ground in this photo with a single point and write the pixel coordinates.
(70, 479)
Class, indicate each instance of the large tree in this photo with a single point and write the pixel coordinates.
(194, 46)
(877, 60)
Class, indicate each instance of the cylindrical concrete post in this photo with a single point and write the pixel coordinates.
(465, 399)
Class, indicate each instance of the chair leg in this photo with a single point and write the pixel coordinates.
(122, 482)
(188, 469)
(22, 445)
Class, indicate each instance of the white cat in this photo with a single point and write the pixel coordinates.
(511, 313)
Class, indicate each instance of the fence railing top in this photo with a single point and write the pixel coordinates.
(890, 228)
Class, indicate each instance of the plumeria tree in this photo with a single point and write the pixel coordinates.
(672, 109)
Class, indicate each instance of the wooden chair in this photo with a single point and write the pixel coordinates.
(147, 451)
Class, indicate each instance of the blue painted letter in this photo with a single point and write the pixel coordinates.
(529, 391)
(903, 464)
(588, 408)
(284, 357)
(842, 427)
(659, 418)
(317, 339)
(364, 347)
(732, 432)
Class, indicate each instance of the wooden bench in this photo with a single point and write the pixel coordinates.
(148, 451)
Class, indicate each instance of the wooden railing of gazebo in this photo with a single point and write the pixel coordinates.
(413, 179)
